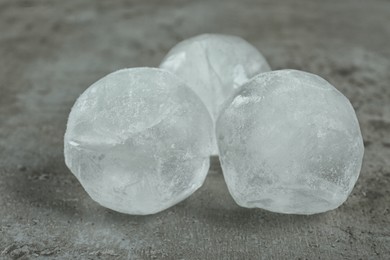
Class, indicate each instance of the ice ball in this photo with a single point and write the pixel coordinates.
(214, 66)
(139, 141)
(289, 142)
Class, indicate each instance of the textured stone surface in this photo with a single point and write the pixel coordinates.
(214, 66)
(139, 141)
(51, 51)
(289, 142)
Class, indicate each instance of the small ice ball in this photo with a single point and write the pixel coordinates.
(289, 142)
(139, 141)
(214, 66)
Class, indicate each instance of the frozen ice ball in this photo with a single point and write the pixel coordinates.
(214, 66)
(289, 142)
(139, 141)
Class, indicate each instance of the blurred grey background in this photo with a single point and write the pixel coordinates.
(51, 51)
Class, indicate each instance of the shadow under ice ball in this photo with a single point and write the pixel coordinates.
(139, 141)
(289, 142)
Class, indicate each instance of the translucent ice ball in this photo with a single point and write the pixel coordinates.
(214, 66)
(289, 142)
(139, 141)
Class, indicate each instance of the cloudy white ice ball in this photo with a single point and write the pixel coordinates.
(289, 142)
(139, 141)
(214, 66)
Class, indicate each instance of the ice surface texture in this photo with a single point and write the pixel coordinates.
(214, 66)
(289, 142)
(139, 141)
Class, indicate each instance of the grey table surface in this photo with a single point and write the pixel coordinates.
(51, 51)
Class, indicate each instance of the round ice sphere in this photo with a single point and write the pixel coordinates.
(139, 141)
(214, 66)
(289, 142)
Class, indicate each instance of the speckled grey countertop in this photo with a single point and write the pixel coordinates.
(50, 51)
